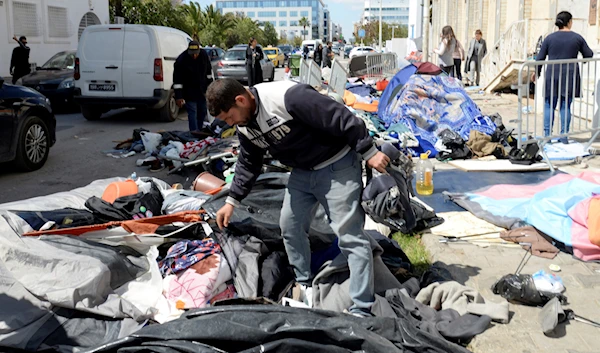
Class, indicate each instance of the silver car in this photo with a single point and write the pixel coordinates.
(233, 65)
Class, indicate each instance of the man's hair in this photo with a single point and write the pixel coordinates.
(22, 38)
(220, 96)
(478, 32)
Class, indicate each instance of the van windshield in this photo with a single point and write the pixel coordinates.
(235, 55)
(310, 46)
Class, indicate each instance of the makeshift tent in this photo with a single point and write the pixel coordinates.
(395, 84)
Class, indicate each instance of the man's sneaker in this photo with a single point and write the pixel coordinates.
(359, 313)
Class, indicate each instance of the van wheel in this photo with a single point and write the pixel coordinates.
(33, 145)
(90, 113)
(170, 111)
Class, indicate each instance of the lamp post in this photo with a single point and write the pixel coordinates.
(380, 24)
(393, 28)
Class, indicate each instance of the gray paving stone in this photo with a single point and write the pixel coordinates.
(589, 281)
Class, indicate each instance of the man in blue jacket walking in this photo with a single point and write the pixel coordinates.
(322, 141)
(190, 83)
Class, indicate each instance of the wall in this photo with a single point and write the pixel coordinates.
(43, 47)
(415, 19)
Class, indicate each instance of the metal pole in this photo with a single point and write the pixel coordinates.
(380, 24)
(426, 30)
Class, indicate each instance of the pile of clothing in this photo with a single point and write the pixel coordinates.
(145, 264)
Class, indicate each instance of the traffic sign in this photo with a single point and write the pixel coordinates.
(361, 33)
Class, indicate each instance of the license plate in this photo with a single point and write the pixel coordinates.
(95, 87)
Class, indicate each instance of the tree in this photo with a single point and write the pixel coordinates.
(244, 28)
(150, 12)
(283, 40)
(297, 41)
(372, 32)
(271, 37)
(304, 23)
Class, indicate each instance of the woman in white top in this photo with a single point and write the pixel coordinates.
(446, 49)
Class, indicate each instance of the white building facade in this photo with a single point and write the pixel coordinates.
(283, 14)
(392, 11)
(336, 31)
(50, 26)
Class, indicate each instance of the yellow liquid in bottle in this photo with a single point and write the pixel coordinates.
(425, 186)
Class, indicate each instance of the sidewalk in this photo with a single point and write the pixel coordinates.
(480, 267)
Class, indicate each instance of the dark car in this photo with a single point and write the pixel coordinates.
(287, 51)
(54, 79)
(347, 51)
(27, 127)
(233, 65)
(215, 55)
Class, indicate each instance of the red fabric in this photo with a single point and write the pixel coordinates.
(381, 85)
(427, 68)
(140, 226)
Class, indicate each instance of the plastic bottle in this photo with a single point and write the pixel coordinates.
(424, 175)
(133, 176)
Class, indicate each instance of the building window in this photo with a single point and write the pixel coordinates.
(229, 4)
(219, 5)
(88, 19)
(293, 13)
(269, 4)
(25, 19)
(283, 4)
(267, 14)
(282, 13)
(304, 13)
(293, 23)
(250, 14)
(283, 23)
(293, 3)
(58, 22)
(240, 4)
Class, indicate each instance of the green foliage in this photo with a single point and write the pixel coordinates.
(297, 41)
(270, 34)
(151, 12)
(304, 23)
(372, 32)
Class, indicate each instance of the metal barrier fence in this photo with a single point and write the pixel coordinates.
(304, 71)
(382, 65)
(562, 104)
(339, 78)
(314, 74)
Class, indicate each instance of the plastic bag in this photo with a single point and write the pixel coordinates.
(546, 282)
(522, 289)
(151, 141)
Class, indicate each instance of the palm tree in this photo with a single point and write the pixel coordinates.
(304, 23)
(194, 19)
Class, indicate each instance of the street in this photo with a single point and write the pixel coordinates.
(77, 159)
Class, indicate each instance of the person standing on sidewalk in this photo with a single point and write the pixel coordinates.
(253, 57)
(561, 45)
(318, 56)
(190, 81)
(322, 141)
(19, 61)
(477, 50)
(446, 49)
(327, 55)
(458, 56)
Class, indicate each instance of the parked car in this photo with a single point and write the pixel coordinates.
(27, 127)
(275, 55)
(233, 66)
(121, 66)
(347, 51)
(287, 50)
(335, 48)
(215, 55)
(54, 79)
(360, 51)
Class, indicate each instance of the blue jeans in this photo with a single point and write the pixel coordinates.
(338, 188)
(196, 110)
(565, 114)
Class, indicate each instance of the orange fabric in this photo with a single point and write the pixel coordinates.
(594, 221)
(140, 226)
(381, 85)
(349, 98)
(371, 108)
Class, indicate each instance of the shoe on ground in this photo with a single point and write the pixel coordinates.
(157, 166)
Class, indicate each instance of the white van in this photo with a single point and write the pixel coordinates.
(312, 44)
(121, 66)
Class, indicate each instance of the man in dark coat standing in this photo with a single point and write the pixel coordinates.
(19, 62)
(190, 83)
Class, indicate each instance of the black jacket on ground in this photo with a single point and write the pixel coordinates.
(190, 76)
(299, 127)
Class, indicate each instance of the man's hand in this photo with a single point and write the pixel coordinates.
(533, 77)
(379, 161)
(15, 38)
(224, 215)
(180, 102)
